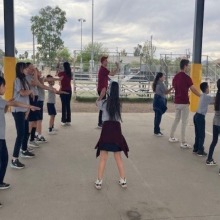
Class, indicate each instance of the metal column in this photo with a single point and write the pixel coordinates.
(196, 68)
(9, 59)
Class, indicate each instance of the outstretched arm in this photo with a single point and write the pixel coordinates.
(194, 90)
(112, 73)
(20, 104)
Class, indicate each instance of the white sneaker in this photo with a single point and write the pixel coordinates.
(98, 184)
(52, 132)
(185, 146)
(63, 124)
(123, 183)
(173, 139)
(68, 123)
(159, 134)
(55, 129)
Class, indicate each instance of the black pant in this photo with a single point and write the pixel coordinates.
(199, 123)
(19, 118)
(24, 144)
(157, 120)
(100, 111)
(66, 110)
(216, 132)
(3, 159)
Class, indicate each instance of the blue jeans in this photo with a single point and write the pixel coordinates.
(157, 120)
(199, 123)
(216, 132)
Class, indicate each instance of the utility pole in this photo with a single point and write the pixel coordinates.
(81, 20)
(151, 46)
(92, 52)
(33, 48)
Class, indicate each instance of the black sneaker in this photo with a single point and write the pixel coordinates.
(4, 185)
(219, 172)
(17, 164)
(195, 151)
(27, 154)
(201, 153)
(41, 140)
(211, 162)
(0, 205)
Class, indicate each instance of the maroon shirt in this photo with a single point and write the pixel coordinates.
(102, 78)
(181, 83)
(65, 82)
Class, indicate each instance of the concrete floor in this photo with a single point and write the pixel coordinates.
(164, 181)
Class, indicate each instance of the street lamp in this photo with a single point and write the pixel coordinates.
(81, 20)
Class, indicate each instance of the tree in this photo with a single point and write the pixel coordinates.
(64, 55)
(98, 51)
(2, 54)
(137, 50)
(47, 27)
(146, 52)
(123, 53)
(26, 54)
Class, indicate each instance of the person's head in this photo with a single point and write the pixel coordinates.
(104, 61)
(21, 70)
(30, 68)
(184, 63)
(51, 83)
(114, 90)
(2, 85)
(159, 77)
(67, 69)
(204, 87)
(217, 98)
(113, 102)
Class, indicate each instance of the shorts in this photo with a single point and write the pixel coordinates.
(40, 104)
(110, 147)
(51, 109)
(33, 115)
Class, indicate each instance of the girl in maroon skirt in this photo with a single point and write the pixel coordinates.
(111, 138)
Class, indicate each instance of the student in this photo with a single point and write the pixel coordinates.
(3, 147)
(65, 85)
(111, 139)
(21, 94)
(216, 127)
(199, 120)
(160, 102)
(103, 77)
(181, 84)
(51, 104)
(40, 103)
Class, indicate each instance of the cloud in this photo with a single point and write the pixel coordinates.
(124, 24)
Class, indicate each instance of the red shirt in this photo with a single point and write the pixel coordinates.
(181, 83)
(65, 82)
(102, 78)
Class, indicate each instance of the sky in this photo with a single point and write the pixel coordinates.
(123, 24)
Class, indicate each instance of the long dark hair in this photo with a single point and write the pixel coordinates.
(20, 66)
(113, 103)
(158, 76)
(67, 69)
(217, 98)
